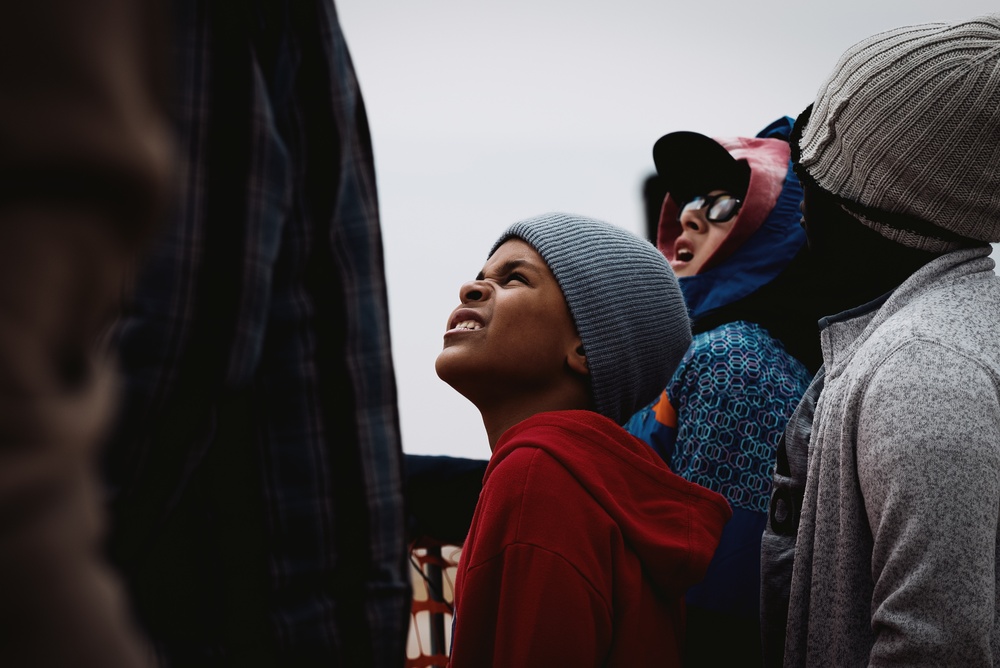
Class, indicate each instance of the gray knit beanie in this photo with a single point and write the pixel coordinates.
(909, 124)
(625, 301)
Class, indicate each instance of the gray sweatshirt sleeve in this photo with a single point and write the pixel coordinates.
(928, 459)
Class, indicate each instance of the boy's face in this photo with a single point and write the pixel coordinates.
(700, 237)
(512, 332)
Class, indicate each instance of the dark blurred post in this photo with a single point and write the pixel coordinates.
(653, 194)
(435, 589)
(84, 159)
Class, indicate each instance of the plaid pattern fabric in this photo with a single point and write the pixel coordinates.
(260, 319)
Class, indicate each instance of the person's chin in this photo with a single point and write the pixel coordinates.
(450, 367)
(683, 269)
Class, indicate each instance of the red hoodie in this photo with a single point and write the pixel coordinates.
(580, 551)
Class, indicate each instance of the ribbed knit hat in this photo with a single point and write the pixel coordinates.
(908, 124)
(625, 301)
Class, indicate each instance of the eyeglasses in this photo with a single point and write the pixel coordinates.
(719, 208)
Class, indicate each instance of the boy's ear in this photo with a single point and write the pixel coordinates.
(577, 360)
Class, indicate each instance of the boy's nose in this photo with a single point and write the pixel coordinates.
(692, 221)
(474, 291)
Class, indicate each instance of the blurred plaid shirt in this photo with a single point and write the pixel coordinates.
(255, 474)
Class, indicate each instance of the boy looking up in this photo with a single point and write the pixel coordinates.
(583, 542)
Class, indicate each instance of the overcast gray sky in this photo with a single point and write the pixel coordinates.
(483, 113)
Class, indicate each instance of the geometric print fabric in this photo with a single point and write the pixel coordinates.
(733, 394)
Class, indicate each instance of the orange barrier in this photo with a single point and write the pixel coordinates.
(432, 567)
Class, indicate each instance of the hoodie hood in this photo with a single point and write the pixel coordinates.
(766, 234)
(672, 525)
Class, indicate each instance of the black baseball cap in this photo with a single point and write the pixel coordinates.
(690, 164)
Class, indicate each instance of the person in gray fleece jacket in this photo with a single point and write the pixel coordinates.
(882, 541)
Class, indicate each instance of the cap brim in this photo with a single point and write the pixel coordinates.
(691, 164)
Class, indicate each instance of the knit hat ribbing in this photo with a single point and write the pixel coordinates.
(909, 123)
(624, 300)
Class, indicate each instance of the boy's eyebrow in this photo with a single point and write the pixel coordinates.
(507, 267)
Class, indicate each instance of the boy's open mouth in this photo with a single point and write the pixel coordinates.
(467, 324)
(465, 320)
(683, 250)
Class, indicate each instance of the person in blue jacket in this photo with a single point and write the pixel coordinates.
(730, 227)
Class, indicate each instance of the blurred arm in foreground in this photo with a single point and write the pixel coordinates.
(84, 160)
